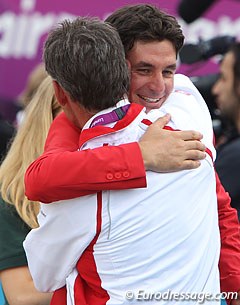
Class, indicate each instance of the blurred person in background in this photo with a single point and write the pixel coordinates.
(18, 215)
(34, 79)
(6, 133)
(7, 129)
(227, 93)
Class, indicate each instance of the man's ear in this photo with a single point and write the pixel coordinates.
(60, 94)
(129, 65)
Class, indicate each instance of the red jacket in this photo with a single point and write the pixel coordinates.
(62, 172)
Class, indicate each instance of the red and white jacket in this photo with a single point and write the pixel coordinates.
(164, 237)
(49, 179)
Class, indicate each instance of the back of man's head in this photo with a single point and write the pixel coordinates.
(86, 58)
(147, 23)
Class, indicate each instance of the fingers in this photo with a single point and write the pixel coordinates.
(195, 155)
(186, 135)
(194, 145)
(189, 135)
(163, 121)
(190, 164)
(173, 150)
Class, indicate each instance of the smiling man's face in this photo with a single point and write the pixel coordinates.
(153, 65)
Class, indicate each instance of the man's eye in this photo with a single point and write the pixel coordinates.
(168, 73)
(143, 71)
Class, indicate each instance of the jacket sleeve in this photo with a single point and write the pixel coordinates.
(54, 248)
(229, 264)
(63, 172)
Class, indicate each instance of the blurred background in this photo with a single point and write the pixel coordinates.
(209, 26)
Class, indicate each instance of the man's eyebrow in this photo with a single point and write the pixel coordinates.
(148, 65)
(143, 64)
(172, 67)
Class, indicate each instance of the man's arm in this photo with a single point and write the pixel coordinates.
(229, 264)
(65, 230)
(22, 289)
(64, 173)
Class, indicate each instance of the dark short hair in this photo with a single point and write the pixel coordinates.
(147, 23)
(86, 57)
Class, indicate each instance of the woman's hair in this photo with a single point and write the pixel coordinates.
(35, 78)
(27, 145)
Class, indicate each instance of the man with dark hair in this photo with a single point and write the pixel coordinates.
(100, 230)
(227, 92)
(148, 34)
(146, 78)
(172, 151)
(48, 179)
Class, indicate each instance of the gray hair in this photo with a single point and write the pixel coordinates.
(86, 57)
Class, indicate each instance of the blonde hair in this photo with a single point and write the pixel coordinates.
(35, 78)
(27, 145)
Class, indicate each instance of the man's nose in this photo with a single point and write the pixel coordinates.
(157, 83)
(215, 88)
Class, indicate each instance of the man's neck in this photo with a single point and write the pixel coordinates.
(109, 115)
(78, 114)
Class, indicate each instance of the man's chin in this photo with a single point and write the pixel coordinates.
(148, 105)
(151, 106)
